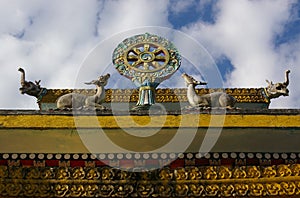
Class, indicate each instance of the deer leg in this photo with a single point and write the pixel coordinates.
(229, 107)
(99, 107)
(95, 106)
(203, 103)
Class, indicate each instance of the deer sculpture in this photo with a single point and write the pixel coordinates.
(76, 101)
(215, 99)
(277, 89)
(30, 88)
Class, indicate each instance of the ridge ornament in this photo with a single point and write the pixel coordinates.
(147, 60)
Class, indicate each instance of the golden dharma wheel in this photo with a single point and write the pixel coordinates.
(146, 57)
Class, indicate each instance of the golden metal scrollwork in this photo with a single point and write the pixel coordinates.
(123, 190)
(77, 190)
(256, 189)
(222, 181)
(212, 190)
(45, 189)
(78, 173)
(30, 189)
(239, 172)
(227, 190)
(165, 174)
(181, 190)
(16, 173)
(253, 172)
(283, 171)
(34, 173)
(3, 172)
(269, 172)
(107, 174)
(196, 190)
(181, 174)
(13, 189)
(241, 189)
(92, 190)
(295, 168)
(288, 187)
(224, 172)
(210, 173)
(193, 173)
(62, 190)
(144, 189)
(273, 189)
(162, 95)
(164, 190)
(106, 190)
(92, 173)
(63, 173)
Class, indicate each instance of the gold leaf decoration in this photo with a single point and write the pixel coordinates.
(216, 181)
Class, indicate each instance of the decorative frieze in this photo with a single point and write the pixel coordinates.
(166, 182)
(246, 95)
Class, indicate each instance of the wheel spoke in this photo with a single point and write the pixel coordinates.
(157, 51)
(155, 64)
(136, 51)
(146, 47)
(160, 58)
(136, 63)
(146, 66)
(132, 57)
(146, 57)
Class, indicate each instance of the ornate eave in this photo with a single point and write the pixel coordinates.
(57, 165)
(246, 97)
(89, 181)
(57, 119)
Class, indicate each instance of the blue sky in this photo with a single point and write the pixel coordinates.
(250, 41)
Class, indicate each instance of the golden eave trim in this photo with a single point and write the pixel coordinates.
(243, 95)
(245, 181)
(183, 181)
(142, 121)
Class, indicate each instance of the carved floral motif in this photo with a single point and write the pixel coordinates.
(180, 182)
(249, 95)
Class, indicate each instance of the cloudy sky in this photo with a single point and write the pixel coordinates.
(250, 41)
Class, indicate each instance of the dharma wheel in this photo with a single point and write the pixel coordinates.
(147, 60)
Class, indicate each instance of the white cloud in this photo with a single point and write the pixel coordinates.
(244, 31)
(289, 57)
(119, 16)
(181, 6)
(50, 39)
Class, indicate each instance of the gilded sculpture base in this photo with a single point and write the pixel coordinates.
(173, 99)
